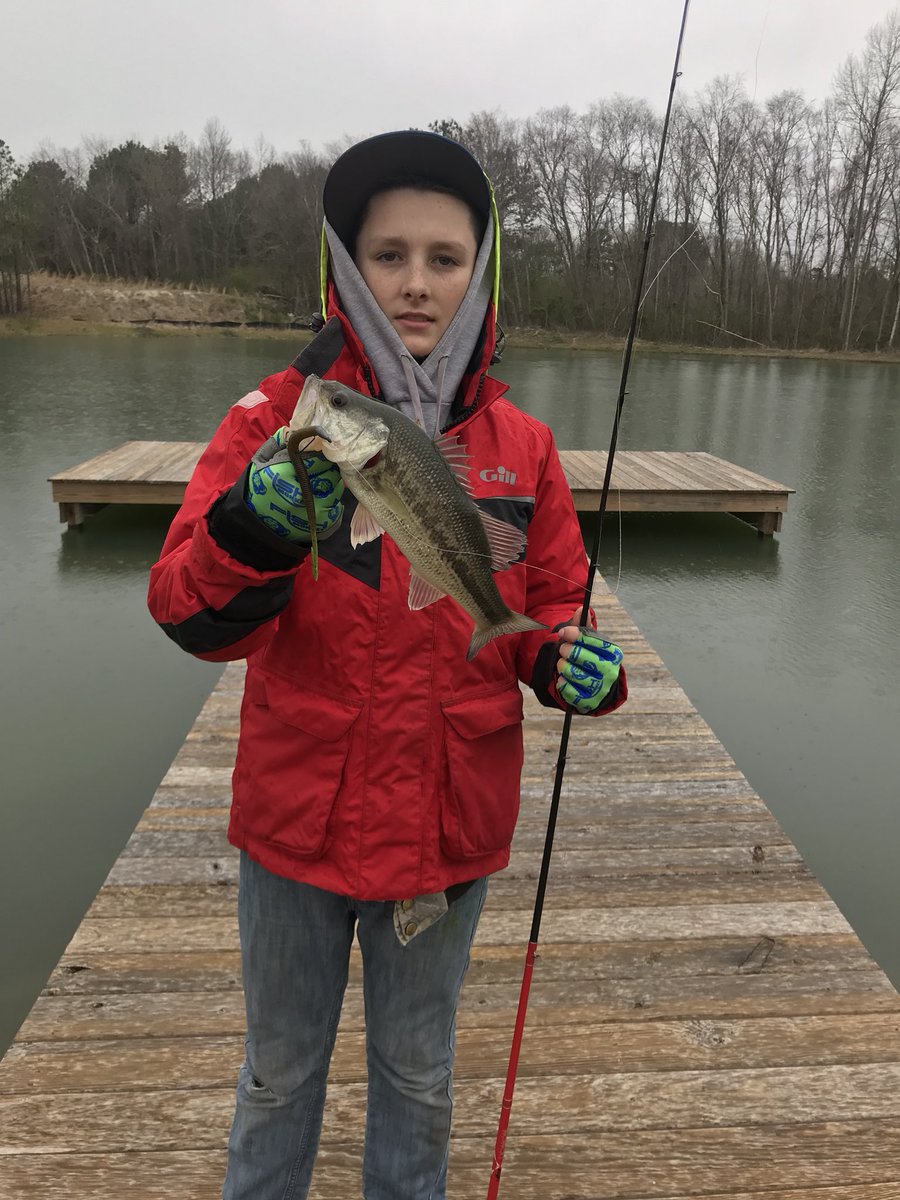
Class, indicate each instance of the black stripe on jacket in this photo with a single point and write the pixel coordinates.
(318, 355)
(240, 534)
(514, 510)
(213, 629)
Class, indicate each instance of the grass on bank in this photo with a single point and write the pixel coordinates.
(528, 339)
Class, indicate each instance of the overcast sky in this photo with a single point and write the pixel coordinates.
(292, 71)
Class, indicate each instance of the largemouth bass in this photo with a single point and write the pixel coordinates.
(417, 491)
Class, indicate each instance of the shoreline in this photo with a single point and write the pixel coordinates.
(516, 339)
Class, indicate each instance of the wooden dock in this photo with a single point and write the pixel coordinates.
(670, 481)
(702, 1020)
(642, 481)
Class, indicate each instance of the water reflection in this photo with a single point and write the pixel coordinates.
(701, 546)
(120, 542)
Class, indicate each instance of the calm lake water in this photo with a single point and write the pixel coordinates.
(789, 647)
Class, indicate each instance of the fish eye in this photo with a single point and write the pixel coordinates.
(339, 400)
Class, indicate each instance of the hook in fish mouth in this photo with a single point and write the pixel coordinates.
(308, 431)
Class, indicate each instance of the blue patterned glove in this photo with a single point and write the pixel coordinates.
(273, 492)
(587, 670)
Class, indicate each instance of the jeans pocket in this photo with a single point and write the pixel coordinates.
(483, 766)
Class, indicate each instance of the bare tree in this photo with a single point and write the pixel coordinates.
(867, 88)
(217, 170)
(13, 233)
(720, 121)
(778, 152)
(550, 139)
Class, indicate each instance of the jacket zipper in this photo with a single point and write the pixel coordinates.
(370, 383)
(470, 407)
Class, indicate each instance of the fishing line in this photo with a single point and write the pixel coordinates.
(762, 34)
(652, 283)
(531, 955)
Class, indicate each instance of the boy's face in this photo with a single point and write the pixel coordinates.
(416, 251)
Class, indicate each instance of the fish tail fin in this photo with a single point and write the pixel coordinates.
(514, 623)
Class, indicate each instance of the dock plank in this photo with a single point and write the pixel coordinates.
(122, 972)
(166, 935)
(591, 466)
(165, 1118)
(588, 1049)
(628, 887)
(192, 1174)
(742, 476)
(169, 1004)
(685, 471)
(659, 476)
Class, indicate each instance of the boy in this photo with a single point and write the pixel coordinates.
(377, 776)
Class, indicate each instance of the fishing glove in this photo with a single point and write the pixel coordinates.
(273, 492)
(588, 670)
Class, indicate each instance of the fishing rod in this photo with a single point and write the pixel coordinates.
(506, 1106)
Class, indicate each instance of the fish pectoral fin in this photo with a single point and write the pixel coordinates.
(456, 457)
(363, 527)
(421, 592)
(506, 542)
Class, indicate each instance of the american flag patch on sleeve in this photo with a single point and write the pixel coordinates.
(251, 399)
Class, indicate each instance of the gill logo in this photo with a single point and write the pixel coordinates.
(501, 475)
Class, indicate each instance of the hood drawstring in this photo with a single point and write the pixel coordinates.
(415, 398)
(407, 363)
(441, 377)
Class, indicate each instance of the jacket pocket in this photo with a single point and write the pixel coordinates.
(290, 773)
(483, 761)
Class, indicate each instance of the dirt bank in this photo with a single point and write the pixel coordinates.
(549, 339)
(64, 306)
(102, 302)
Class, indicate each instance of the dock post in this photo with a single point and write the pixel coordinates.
(72, 513)
(765, 523)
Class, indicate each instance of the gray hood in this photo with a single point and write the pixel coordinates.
(422, 391)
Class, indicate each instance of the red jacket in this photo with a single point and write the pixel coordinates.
(373, 760)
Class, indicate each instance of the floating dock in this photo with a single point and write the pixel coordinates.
(670, 481)
(642, 481)
(702, 1021)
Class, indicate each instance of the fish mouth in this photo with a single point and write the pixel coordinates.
(307, 402)
(350, 448)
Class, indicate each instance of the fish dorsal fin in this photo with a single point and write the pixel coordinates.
(363, 527)
(507, 543)
(456, 457)
(421, 592)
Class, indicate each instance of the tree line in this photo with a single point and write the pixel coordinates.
(778, 221)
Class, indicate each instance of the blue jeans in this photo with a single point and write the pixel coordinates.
(295, 950)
